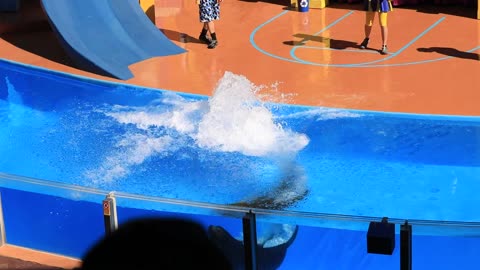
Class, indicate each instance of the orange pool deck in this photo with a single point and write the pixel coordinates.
(433, 66)
(301, 58)
(14, 257)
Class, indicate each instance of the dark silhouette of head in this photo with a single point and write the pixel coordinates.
(156, 243)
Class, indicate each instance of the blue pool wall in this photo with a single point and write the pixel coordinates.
(70, 227)
(42, 220)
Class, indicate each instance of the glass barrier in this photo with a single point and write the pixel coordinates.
(311, 247)
(68, 220)
(436, 247)
(52, 218)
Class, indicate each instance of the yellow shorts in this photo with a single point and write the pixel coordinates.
(371, 15)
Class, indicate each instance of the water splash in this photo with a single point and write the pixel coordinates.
(12, 95)
(131, 150)
(16, 112)
(238, 122)
(320, 114)
(272, 93)
(233, 120)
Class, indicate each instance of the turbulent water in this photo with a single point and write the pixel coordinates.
(236, 147)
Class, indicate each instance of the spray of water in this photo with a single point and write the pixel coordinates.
(131, 150)
(238, 122)
(12, 95)
(16, 114)
(232, 120)
(16, 110)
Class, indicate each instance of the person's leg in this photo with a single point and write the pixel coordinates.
(203, 35)
(211, 28)
(215, 15)
(369, 17)
(203, 14)
(384, 31)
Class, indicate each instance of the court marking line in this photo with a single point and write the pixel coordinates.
(390, 56)
(356, 65)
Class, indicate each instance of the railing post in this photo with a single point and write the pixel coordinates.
(2, 224)
(406, 246)
(110, 213)
(250, 240)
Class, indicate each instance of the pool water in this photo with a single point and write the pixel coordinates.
(235, 146)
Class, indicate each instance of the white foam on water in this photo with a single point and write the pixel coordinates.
(17, 114)
(232, 120)
(131, 150)
(320, 114)
(271, 93)
(238, 122)
(13, 95)
(296, 178)
(16, 111)
(180, 117)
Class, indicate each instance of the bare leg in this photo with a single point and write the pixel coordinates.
(211, 27)
(203, 35)
(383, 27)
(369, 16)
(214, 42)
(368, 30)
(384, 31)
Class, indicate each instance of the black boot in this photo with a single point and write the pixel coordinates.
(213, 44)
(364, 43)
(214, 41)
(203, 37)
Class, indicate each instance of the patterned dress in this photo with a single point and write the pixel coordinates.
(209, 10)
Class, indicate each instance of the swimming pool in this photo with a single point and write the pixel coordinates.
(235, 147)
(84, 136)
